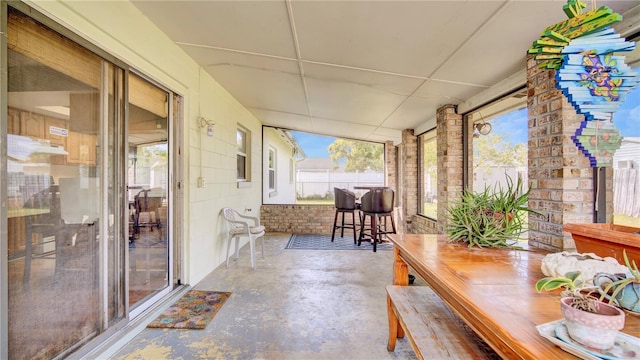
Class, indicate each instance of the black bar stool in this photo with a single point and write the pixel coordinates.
(345, 202)
(378, 205)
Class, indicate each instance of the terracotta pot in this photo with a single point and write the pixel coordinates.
(606, 240)
(590, 329)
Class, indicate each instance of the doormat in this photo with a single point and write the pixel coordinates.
(194, 310)
(323, 242)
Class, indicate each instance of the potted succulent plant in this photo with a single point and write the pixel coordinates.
(589, 321)
(623, 289)
(490, 218)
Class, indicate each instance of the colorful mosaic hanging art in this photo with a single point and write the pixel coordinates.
(594, 80)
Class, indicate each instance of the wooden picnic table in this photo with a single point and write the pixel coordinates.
(492, 290)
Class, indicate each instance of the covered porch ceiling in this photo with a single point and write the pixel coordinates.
(362, 69)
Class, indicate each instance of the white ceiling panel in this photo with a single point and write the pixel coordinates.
(394, 84)
(369, 68)
(340, 100)
(213, 58)
(447, 92)
(412, 113)
(507, 48)
(408, 37)
(255, 26)
(261, 88)
(342, 129)
(283, 120)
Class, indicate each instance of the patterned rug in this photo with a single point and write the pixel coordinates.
(323, 242)
(194, 310)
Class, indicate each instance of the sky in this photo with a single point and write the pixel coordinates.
(315, 146)
(626, 120)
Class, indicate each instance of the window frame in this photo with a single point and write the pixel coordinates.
(243, 151)
(427, 137)
(272, 169)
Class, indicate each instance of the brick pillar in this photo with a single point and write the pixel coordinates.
(560, 175)
(390, 171)
(449, 144)
(392, 178)
(409, 165)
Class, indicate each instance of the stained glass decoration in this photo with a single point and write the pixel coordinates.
(593, 79)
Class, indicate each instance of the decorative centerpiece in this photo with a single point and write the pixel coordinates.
(588, 264)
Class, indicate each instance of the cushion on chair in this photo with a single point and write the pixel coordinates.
(378, 201)
(344, 199)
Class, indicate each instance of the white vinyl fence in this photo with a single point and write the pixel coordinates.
(321, 183)
(626, 190)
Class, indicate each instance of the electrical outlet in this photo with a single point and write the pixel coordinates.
(201, 182)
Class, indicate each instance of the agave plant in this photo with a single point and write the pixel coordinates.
(490, 218)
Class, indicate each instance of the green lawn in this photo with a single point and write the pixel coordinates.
(626, 220)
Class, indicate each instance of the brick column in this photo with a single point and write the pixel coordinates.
(390, 166)
(449, 144)
(560, 175)
(409, 178)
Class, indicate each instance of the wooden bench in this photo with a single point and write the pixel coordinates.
(433, 330)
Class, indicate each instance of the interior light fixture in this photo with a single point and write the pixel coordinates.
(202, 123)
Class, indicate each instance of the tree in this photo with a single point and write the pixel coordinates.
(356, 155)
(495, 150)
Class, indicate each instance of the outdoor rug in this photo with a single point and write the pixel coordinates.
(194, 310)
(323, 242)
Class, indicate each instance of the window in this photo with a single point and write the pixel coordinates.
(317, 164)
(499, 143)
(428, 199)
(498, 140)
(272, 169)
(243, 139)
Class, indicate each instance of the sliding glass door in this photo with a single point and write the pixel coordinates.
(148, 190)
(64, 103)
(88, 241)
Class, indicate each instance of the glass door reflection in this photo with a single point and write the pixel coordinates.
(148, 175)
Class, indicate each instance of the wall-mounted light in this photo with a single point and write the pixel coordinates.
(483, 128)
(202, 123)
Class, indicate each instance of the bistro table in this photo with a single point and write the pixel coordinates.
(370, 187)
(492, 290)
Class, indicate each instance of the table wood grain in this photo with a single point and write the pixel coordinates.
(492, 290)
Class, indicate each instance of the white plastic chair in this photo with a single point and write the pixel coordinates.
(243, 225)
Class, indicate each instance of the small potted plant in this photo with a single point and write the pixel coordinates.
(589, 321)
(622, 289)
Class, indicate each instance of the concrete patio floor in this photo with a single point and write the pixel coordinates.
(297, 304)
